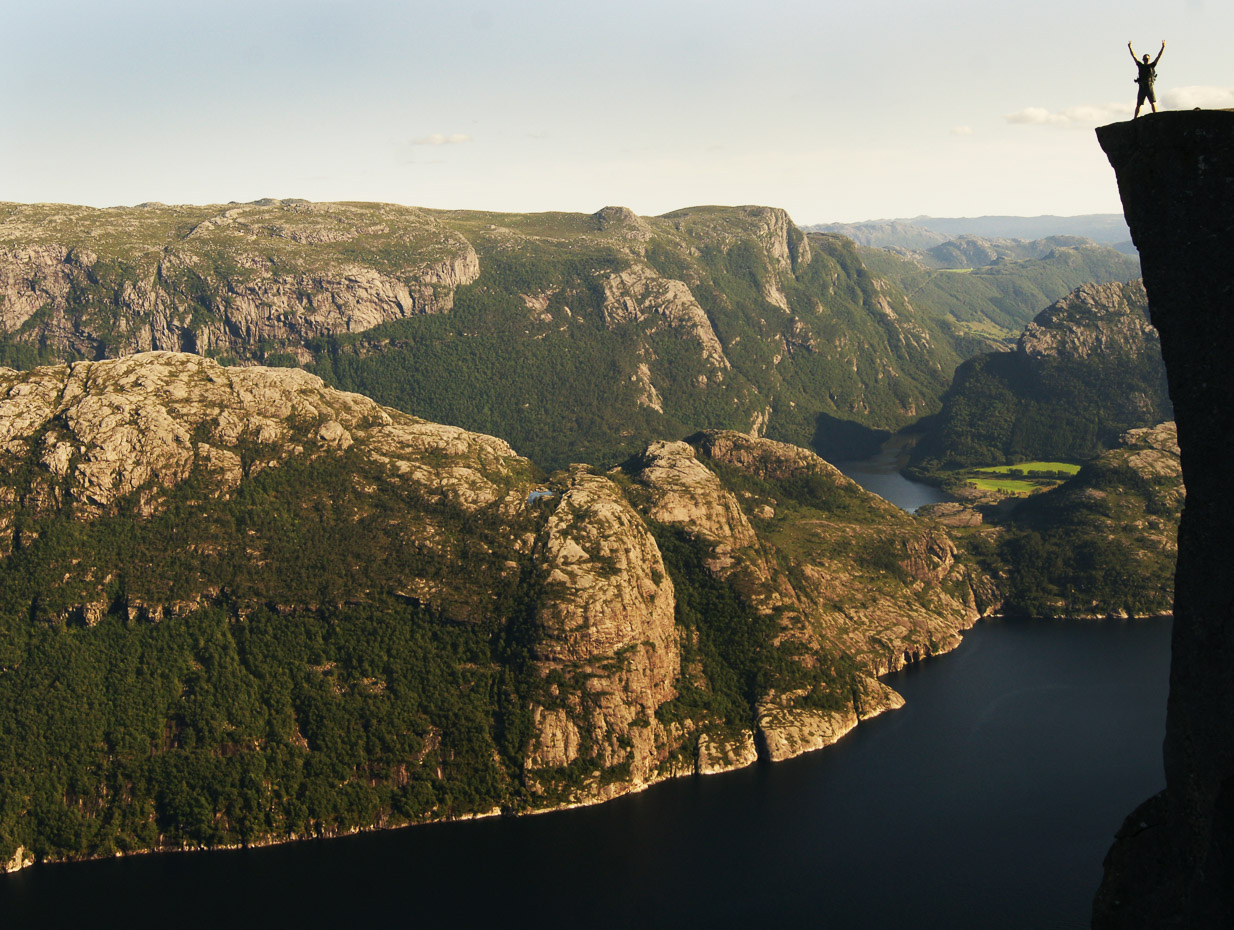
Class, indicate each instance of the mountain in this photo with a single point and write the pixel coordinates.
(1084, 371)
(921, 232)
(1172, 865)
(238, 606)
(575, 337)
(974, 252)
(989, 289)
(1109, 228)
(884, 234)
(1102, 544)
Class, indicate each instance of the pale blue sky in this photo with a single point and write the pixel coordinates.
(833, 110)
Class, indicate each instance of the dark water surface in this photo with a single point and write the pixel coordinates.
(881, 474)
(987, 802)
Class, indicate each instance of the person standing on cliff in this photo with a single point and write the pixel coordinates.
(1148, 74)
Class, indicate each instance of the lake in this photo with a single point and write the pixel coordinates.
(988, 801)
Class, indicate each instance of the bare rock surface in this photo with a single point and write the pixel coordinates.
(638, 292)
(607, 633)
(211, 279)
(1114, 323)
(887, 616)
(108, 429)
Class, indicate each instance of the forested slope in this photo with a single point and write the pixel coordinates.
(237, 606)
(573, 336)
(1087, 369)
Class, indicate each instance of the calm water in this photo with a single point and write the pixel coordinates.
(988, 801)
(881, 474)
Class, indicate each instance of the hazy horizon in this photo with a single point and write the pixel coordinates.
(946, 108)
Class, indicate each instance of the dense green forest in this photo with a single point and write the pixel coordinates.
(306, 696)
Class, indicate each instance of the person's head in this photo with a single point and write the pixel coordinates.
(1146, 57)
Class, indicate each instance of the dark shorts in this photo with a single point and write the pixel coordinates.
(1146, 93)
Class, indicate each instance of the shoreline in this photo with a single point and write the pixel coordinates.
(27, 860)
(624, 788)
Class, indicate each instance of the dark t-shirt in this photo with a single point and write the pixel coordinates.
(1148, 73)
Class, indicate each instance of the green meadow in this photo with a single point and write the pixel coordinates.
(1030, 468)
(1007, 485)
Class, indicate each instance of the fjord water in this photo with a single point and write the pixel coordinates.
(987, 801)
(881, 475)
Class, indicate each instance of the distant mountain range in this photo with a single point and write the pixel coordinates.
(923, 232)
(1087, 369)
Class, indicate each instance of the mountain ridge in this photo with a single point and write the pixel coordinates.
(605, 331)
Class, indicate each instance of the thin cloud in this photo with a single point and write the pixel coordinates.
(961, 130)
(1078, 117)
(1188, 98)
(441, 138)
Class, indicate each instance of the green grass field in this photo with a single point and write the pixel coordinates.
(1025, 468)
(1005, 485)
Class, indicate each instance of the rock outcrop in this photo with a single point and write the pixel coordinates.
(102, 431)
(1102, 320)
(381, 608)
(636, 293)
(1172, 864)
(607, 639)
(220, 281)
(885, 589)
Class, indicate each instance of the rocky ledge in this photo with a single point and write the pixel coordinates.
(1172, 864)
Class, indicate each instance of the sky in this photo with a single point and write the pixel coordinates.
(836, 111)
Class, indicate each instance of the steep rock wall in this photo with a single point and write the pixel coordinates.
(1173, 862)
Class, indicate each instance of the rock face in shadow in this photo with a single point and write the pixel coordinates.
(1172, 864)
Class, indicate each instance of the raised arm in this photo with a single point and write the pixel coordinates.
(1132, 51)
(1159, 54)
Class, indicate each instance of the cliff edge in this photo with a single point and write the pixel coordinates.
(1172, 864)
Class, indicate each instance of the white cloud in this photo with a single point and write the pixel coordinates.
(1085, 116)
(441, 138)
(1088, 116)
(1188, 98)
(1077, 117)
(961, 130)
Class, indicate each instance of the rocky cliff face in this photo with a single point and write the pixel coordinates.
(832, 568)
(397, 621)
(1173, 862)
(1094, 321)
(219, 280)
(608, 644)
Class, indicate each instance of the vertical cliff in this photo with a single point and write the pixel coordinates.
(1172, 864)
